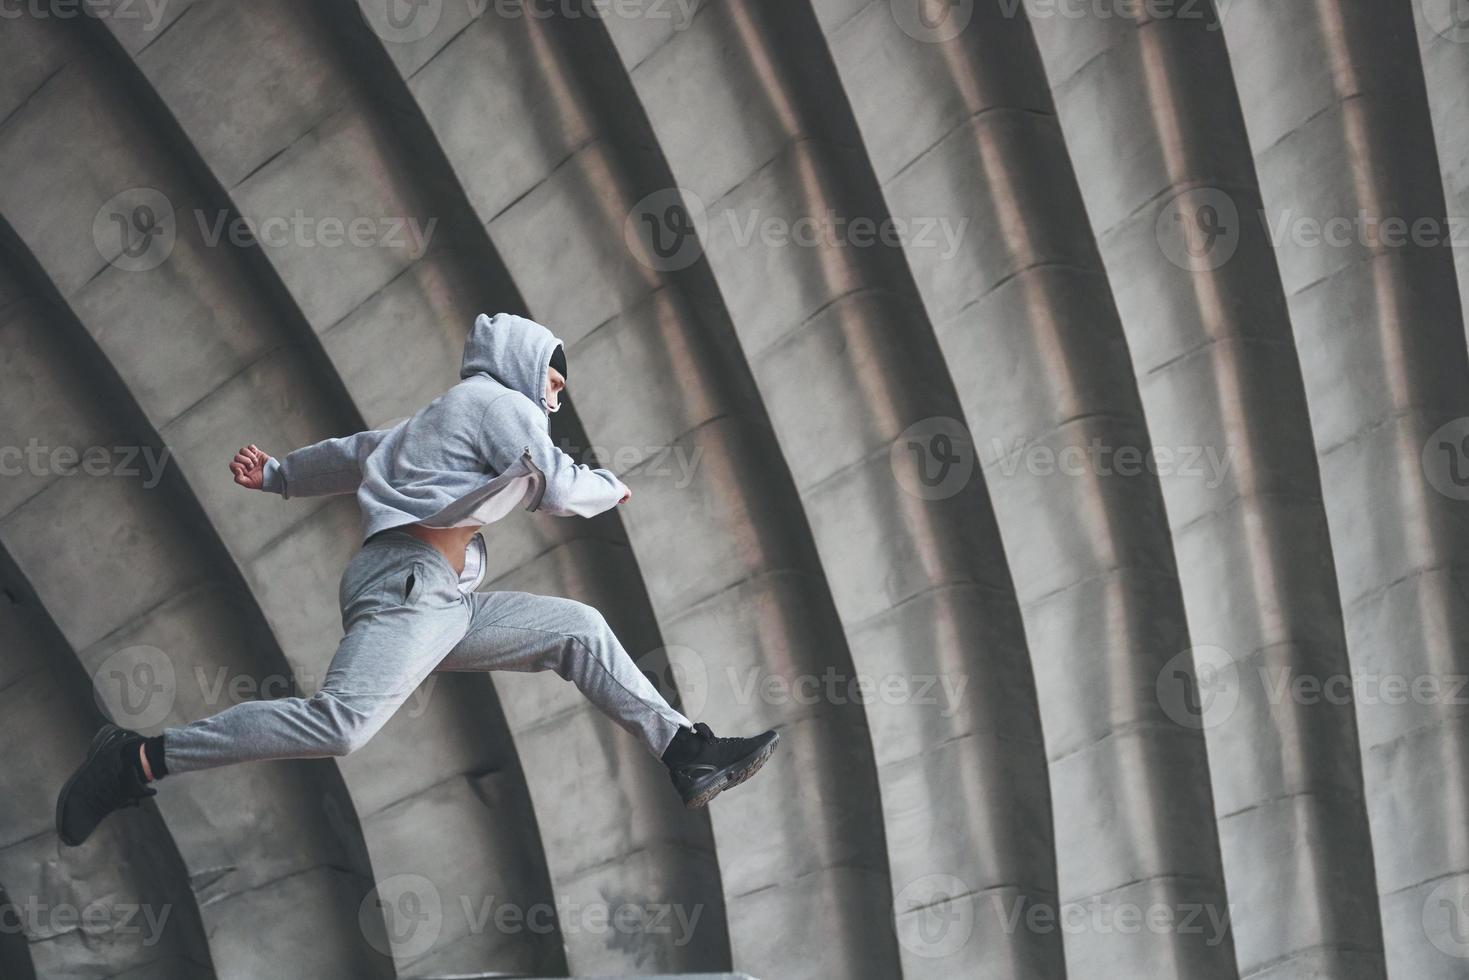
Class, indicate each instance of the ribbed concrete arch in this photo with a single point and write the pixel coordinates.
(1026, 320)
(1221, 385)
(1443, 40)
(637, 846)
(1336, 91)
(727, 558)
(846, 363)
(412, 313)
(773, 407)
(121, 559)
(442, 770)
(123, 905)
(664, 863)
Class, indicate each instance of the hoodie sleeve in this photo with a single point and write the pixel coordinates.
(326, 467)
(511, 426)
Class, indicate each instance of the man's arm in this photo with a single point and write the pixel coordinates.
(511, 425)
(326, 467)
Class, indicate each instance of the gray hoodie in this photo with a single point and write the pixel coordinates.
(467, 458)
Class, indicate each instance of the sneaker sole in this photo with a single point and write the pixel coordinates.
(748, 766)
(99, 740)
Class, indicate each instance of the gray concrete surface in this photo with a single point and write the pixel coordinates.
(1353, 112)
(1043, 714)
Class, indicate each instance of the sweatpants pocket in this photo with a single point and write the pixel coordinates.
(401, 587)
(395, 583)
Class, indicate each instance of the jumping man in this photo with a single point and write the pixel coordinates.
(425, 487)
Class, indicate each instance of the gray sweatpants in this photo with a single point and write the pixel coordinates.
(405, 617)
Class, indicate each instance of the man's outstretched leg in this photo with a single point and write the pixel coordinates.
(525, 632)
(402, 611)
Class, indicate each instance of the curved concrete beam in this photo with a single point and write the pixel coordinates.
(122, 903)
(666, 862)
(468, 789)
(1221, 386)
(1443, 42)
(846, 364)
(444, 284)
(1336, 91)
(727, 559)
(657, 857)
(470, 786)
(120, 556)
(1023, 313)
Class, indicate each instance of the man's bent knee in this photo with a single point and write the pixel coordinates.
(584, 622)
(342, 729)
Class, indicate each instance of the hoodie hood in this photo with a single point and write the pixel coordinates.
(512, 350)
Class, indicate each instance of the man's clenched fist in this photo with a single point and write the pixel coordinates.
(248, 467)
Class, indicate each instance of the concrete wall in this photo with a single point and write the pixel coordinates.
(998, 431)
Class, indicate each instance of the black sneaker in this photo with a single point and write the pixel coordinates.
(702, 766)
(106, 781)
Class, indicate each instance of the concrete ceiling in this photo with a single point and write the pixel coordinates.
(1029, 409)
